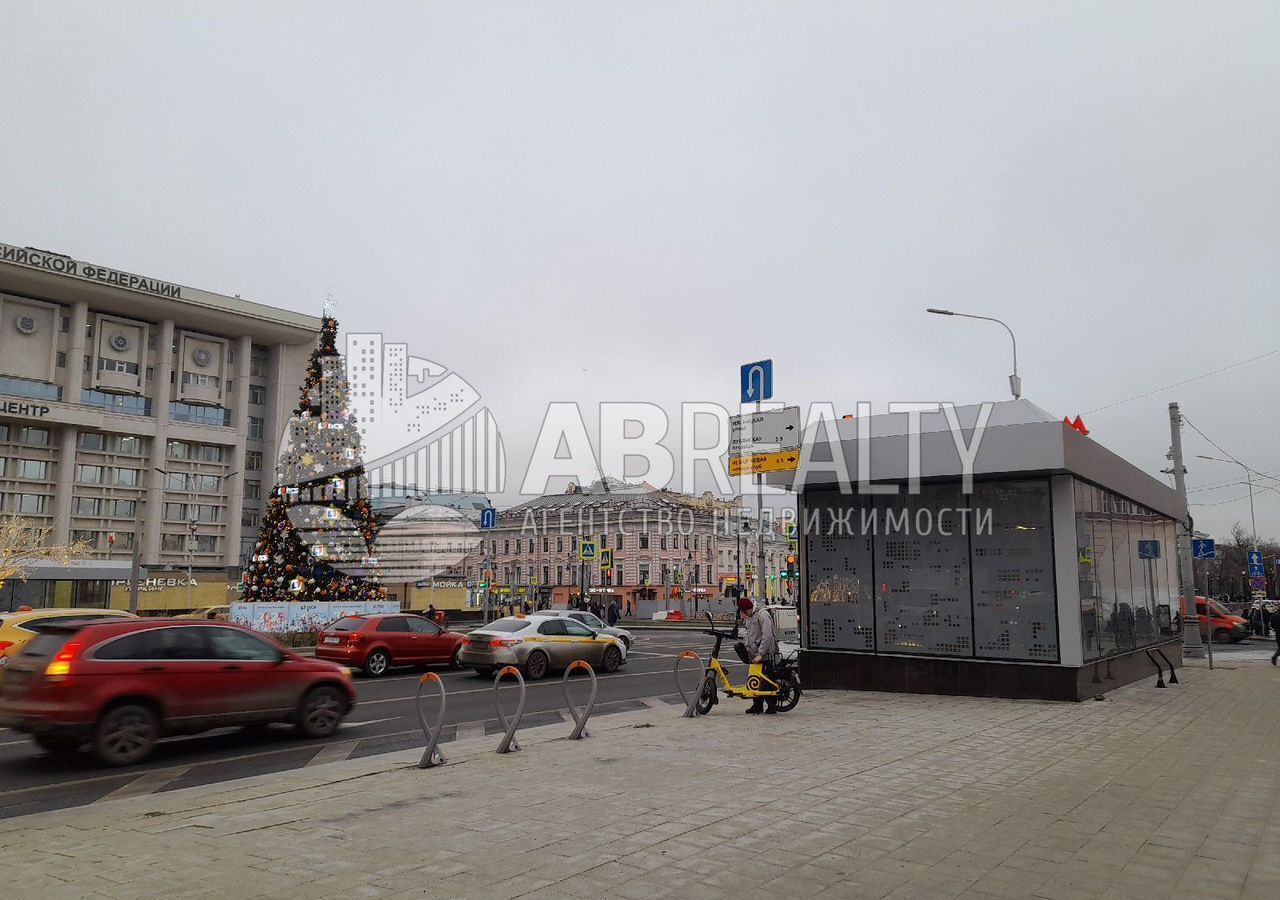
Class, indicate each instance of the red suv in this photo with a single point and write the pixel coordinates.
(122, 685)
(376, 643)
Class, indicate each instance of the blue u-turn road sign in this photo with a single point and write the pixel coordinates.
(488, 518)
(1255, 564)
(1203, 548)
(757, 381)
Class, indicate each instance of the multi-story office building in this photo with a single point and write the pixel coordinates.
(140, 408)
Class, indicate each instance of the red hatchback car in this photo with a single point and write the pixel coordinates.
(122, 685)
(376, 643)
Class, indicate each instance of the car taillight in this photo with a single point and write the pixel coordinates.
(61, 663)
(466, 642)
(5, 645)
(355, 637)
(504, 642)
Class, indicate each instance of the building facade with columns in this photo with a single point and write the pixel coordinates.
(140, 408)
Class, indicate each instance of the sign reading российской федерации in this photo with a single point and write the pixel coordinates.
(65, 265)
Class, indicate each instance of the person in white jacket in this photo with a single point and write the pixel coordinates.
(761, 646)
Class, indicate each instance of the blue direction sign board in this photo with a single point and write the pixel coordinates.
(1148, 549)
(1255, 564)
(1203, 548)
(757, 381)
(488, 518)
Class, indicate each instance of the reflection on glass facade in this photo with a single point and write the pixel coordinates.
(1014, 610)
(841, 597)
(1128, 584)
(938, 573)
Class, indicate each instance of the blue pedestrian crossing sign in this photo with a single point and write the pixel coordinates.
(488, 518)
(587, 551)
(1255, 564)
(757, 381)
(1148, 549)
(1203, 548)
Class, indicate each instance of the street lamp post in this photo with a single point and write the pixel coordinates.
(1248, 475)
(1015, 382)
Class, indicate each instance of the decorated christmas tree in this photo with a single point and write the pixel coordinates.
(318, 533)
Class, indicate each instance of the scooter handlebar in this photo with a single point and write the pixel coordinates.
(711, 629)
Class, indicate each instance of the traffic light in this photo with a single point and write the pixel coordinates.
(791, 567)
(484, 585)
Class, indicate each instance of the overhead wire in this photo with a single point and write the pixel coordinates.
(1175, 384)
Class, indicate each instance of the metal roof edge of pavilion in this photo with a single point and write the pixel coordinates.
(1019, 438)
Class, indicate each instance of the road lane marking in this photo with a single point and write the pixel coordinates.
(335, 752)
(147, 784)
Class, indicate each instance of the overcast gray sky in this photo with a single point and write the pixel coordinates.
(658, 192)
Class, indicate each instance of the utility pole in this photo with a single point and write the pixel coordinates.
(1192, 645)
(135, 574)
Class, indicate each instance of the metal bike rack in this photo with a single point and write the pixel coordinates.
(508, 742)
(579, 717)
(1173, 676)
(431, 757)
(1159, 671)
(690, 703)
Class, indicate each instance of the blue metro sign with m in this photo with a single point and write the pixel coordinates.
(757, 381)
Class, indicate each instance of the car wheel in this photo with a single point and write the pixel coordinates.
(535, 667)
(321, 711)
(1222, 636)
(612, 659)
(57, 743)
(377, 664)
(125, 735)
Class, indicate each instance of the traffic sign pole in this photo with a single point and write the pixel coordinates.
(1192, 646)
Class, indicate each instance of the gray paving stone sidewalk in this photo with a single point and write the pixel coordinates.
(1150, 793)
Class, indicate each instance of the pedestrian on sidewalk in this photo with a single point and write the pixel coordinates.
(761, 646)
(1275, 627)
(614, 613)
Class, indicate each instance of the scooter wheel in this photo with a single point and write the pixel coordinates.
(788, 693)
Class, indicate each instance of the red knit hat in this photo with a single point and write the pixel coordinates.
(745, 605)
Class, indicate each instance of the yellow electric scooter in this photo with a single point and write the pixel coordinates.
(783, 688)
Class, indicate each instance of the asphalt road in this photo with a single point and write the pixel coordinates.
(383, 721)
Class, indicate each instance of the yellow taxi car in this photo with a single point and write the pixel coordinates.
(17, 628)
(537, 644)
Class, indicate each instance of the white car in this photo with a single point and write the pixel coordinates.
(592, 621)
(537, 644)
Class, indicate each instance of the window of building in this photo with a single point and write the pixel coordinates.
(35, 504)
(253, 460)
(92, 440)
(257, 394)
(175, 512)
(34, 437)
(662, 542)
(122, 509)
(546, 574)
(87, 506)
(207, 512)
(258, 364)
(64, 325)
(33, 468)
(249, 520)
(128, 477)
(643, 571)
(126, 444)
(61, 361)
(117, 365)
(4, 432)
(559, 574)
(178, 450)
(173, 543)
(644, 540)
(617, 544)
(530, 545)
(80, 536)
(124, 540)
(213, 453)
(604, 542)
(89, 474)
(175, 481)
(200, 379)
(506, 546)
(206, 484)
(559, 545)
(257, 428)
(546, 545)
(253, 490)
(206, 543)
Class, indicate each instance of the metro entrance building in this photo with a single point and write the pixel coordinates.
(1050, 575)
